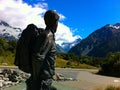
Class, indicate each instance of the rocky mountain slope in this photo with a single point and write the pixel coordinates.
(9, 32)
(100, 42)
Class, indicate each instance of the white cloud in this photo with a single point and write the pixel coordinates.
(20, 14)
(64, 34)
(62, 17)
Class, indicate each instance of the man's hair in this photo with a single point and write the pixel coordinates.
(51, 17)
(31, 27)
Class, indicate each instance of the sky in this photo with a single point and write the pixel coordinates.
(78, 18)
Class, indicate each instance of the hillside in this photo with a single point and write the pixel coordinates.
(100, 42)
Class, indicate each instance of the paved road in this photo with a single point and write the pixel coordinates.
(87, 80)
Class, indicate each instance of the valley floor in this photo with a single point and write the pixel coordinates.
(84, 80)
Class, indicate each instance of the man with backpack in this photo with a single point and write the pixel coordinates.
(43, 55)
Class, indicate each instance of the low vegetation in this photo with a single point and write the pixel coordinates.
(7, 51)
(110, 88)
(7, 59)
(62, 63)
(111, 65)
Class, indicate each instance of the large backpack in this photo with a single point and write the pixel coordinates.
(23, 50)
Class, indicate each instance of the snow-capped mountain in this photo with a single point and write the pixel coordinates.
(59, 48)
(99, 43)
(68, 45)
(9, 32)
(115, 26)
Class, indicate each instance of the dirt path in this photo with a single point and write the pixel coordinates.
(87, 80)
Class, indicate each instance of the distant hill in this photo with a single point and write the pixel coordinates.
(59, 48)
(100, 42)
(68, 45)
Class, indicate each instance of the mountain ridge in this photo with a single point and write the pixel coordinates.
(9, 32)
(100, 42)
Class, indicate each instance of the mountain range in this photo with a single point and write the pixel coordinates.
(100, 42)
(68, 45)
(9, 32)
(12, 33)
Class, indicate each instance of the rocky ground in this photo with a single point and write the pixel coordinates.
(10, 76)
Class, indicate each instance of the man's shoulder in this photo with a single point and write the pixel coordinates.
(46, 33)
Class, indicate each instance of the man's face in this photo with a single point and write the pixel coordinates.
(55, 26)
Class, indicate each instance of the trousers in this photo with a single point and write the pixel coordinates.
(39, 84)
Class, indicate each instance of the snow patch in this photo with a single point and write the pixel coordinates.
(113, 26)
(10, 31)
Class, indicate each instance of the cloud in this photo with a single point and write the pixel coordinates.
(64, 34)
(19, 14)
(62, 17)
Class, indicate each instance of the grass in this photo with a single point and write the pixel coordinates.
(110, 88)
(61, 63)
(8, 60)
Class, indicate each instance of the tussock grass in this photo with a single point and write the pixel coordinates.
(7, 59)
(110, 88)
(61, 63)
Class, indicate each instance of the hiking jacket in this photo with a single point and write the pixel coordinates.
(43, 56)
